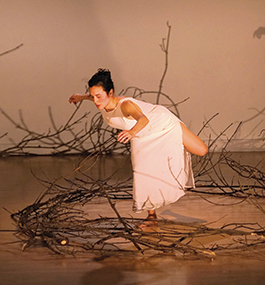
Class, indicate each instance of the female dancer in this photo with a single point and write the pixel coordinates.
(160, 144)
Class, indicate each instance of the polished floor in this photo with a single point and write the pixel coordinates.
(37, 265)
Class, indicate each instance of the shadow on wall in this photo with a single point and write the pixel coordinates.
(259, 32)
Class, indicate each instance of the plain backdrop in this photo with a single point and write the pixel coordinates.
(215, 60)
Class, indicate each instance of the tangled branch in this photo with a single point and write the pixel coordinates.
(59, 219)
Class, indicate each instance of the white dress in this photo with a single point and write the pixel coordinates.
(161, 165)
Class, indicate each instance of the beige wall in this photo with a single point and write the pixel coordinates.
(213, 58)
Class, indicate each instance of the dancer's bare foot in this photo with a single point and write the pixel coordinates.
(150, 221)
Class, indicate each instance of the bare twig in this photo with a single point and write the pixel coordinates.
(13, 49)
(165, 48)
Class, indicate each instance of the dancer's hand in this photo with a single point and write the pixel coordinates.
(125, 136)
(75, 98)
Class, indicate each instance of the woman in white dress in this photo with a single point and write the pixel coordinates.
(160, 144)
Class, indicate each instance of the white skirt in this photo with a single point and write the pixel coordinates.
(161, 165)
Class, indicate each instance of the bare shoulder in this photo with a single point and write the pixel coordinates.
(128, 107)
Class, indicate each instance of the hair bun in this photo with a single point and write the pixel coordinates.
(103, 71)
(102, 78)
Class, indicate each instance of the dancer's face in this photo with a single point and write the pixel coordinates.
(100, 96)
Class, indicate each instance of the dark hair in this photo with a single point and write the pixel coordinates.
(102, 78)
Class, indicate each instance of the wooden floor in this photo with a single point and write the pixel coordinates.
(38, 265)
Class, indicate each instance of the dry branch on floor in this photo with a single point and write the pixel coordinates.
(59, 220)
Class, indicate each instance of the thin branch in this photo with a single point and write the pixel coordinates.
(164, 47)
(13, 49)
